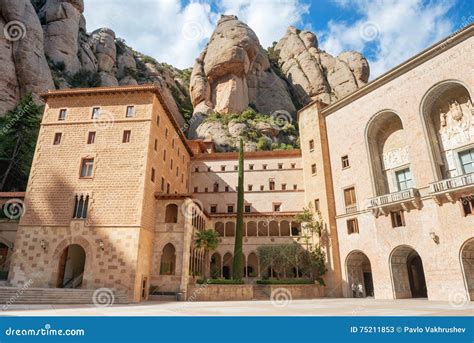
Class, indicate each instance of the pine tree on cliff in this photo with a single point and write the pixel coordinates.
(237, 266)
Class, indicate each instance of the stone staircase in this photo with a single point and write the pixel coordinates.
(261, 292)
(19, 295)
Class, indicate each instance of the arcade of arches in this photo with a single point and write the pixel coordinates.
(262, 228)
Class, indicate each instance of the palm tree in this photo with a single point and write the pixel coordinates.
(207, 240)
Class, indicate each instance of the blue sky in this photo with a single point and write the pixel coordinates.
(387, 32)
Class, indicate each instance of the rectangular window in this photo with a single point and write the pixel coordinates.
(126, 136)
(264, 166)
(230, 208)
(216, 188)
(157, 120)
(222, 168)
(316, 204)
(196, 189)
(236, 168)
(155, 147)
(91, 137)
(171, 164)
(213, 209)
(168, 188)
(226, 188)
(311, 145)
(172, 143)
(350, 200)
(295, 187)
(250, 187)
(262, 187)
(404, 179)
(280, 165)
(62, 114)
(345, 162)
(164, 155)
(196, 170)
(152, 174)
(205, 190)
(251, 166)
(248, 208)
(283, 187)
(467, 205)
(130, 111)
(313, 169)
(276, 207)
(87, 166)
(81, 204)
(95, 112)
(57, 138)
(352, 226)
(293, 165)
(166, 132)
(397, 218)
(467, 161)
(271, 185)
(209, 169)
(162, 184)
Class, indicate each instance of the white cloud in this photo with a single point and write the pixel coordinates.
(390, 31)
(176, 33)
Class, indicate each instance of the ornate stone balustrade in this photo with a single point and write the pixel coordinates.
(402, 199)
(452, 188)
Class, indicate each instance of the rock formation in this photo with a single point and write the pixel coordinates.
(233, 72)
(23, 66)
(50, 47)
(313, 73)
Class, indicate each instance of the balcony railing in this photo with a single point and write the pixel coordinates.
(407, 194)
(453, 183)
(398, 199)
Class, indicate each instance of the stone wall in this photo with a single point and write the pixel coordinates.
(207, 292)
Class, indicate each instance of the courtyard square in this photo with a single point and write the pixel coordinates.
(315, 307)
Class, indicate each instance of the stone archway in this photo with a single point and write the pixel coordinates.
(71, 267)
(408, 275)
(227, 266)
(216, 266)
(359, 275)
(467, 261)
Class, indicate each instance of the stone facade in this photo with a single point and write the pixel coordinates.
(115, 199)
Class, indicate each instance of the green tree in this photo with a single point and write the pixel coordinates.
(18, 134)
(237, 265)
(207, 240)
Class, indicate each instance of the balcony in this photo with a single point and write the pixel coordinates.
(453, 188)
(406, 199)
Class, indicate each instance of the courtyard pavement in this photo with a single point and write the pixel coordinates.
(314, 307)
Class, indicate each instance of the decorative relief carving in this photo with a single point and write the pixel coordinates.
(456, 124)
(396, 158)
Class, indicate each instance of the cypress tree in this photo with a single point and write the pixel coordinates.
(237, 266)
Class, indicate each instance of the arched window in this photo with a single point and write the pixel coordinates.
(219, 228)
(251, 229)
(389, 154)
(230, 229)
(171, 213)
(284, 228)
(447, 117)
(168, 260)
